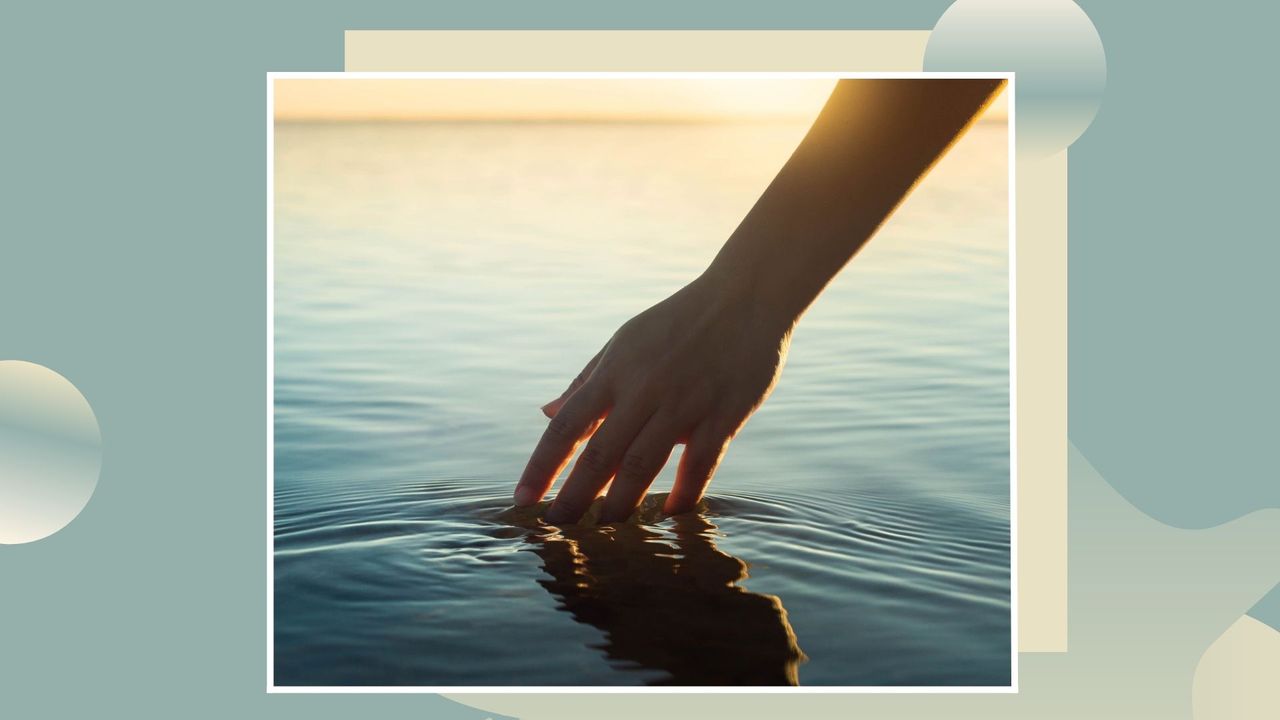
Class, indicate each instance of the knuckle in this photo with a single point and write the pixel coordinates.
(635, 465)
(594, 460)
(562, 428)
(582, 377)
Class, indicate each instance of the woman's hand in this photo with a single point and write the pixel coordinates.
(692, 369)
(689, 370)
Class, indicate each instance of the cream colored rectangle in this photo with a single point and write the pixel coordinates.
(1040, 332)
(634, 50)
(1041, 341)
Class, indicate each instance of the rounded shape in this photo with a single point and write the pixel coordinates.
(1052, 48)
(50, 452)
(1236, 675)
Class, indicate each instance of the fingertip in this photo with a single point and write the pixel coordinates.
(610, 512)
(678, 505)
(614, 516)
(526, 496)
(557, 515)
(620, 504)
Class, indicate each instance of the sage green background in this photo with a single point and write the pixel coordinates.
(132, 261)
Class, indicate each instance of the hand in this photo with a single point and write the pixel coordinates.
(689, 370)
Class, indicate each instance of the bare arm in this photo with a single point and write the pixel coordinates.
(691, 369)
(873, 141)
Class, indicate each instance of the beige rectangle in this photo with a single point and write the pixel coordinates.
(1041, 342)
(1041, 292)
(634, 50)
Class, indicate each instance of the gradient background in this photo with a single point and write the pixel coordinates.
(133, 264)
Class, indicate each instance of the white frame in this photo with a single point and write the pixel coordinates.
(582, 75)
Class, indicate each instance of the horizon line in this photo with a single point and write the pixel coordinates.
(568, 120)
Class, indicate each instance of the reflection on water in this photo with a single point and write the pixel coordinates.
(442, 582)
(668, 601)
(437, 283)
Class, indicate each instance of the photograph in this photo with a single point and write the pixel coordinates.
(622, 381)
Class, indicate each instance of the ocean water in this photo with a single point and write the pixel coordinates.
(435, 283)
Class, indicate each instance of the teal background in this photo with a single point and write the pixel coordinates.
(132, 261)
(1173, 341)
(1268, 608)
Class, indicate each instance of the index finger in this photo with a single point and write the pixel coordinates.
(575, 421)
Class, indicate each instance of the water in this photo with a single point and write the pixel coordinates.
(436, 283)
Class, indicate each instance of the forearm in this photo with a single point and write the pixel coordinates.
(872, 142)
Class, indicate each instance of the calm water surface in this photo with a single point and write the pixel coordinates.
(436, 283)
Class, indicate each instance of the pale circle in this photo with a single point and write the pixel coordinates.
(1051, 46)
(1236, 677)
(50, 452)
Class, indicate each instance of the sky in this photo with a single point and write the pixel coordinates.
(632, 99)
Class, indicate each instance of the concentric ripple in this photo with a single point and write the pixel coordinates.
(438, 583)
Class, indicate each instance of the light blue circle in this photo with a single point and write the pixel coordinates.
(1051, 46)
(50, 452)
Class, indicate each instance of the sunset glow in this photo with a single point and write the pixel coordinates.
(536, 99)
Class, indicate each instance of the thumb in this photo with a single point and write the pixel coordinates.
(553, 407)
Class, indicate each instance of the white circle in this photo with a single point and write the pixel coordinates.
(1051, 46)
(50, 452)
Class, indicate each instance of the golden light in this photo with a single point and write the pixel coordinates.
(536, 99)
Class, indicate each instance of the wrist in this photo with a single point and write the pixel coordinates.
(767, 298)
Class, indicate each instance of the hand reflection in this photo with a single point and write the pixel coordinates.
(666, 598)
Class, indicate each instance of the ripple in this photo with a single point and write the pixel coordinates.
(424, 310)
(666, 593)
